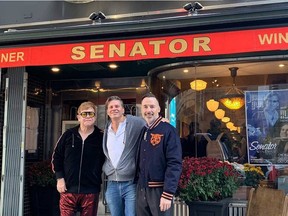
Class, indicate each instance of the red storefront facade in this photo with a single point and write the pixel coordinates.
(223, 39)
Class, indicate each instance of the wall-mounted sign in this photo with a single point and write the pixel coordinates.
(205, 44)
(267, 126)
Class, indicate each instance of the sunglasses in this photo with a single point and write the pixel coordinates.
(85, 114)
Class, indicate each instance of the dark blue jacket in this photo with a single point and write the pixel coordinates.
(160, 158)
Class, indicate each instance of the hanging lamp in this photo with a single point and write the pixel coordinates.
(212, 105)
(219, 113)
(198, 85)
(234, 97)
(225, 119)
(229, 125)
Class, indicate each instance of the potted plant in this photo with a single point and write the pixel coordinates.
(209, 180)
(44, 196)
(253, 175)
(40, 174)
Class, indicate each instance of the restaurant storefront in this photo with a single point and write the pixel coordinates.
(232, 49)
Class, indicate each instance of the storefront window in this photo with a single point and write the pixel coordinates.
(227, 126)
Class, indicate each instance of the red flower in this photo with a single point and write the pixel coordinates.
(207, 179)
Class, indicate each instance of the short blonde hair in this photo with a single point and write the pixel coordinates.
(87, 105)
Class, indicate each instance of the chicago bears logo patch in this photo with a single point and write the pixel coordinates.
(155, 139)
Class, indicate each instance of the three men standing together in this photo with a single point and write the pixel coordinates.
(147, 152)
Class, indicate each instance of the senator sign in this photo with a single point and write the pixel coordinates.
(205, 44)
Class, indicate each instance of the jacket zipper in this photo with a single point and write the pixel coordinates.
(80, 169)
(72, 140)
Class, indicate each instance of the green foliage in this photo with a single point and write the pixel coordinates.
(253, 175)
(41, 174)
(205, 179)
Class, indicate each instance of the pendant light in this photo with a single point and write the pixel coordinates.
(212, 105)
(234, 97)
(229, 125)
(219, 113)
(225, 119)
(198, 85)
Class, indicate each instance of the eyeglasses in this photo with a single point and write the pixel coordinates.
(85, 114)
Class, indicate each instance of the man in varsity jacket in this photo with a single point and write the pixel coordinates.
(159, 162)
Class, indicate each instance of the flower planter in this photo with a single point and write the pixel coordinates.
(207, 179)
(208, 208)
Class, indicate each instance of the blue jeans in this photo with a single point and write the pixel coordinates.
(121, 198)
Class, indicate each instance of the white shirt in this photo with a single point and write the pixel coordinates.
(116, 143)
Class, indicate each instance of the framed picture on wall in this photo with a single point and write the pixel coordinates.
(69, 124)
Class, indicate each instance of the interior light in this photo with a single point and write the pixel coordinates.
(225, 119)
(113, 66)
(234, 97)
(143, 84)
(55, 69)
(229, 125)
(212, 105)
(185, 70)
(219, 113)
(233, 102)
(198, 85)
(234, 128)
(281, 65)
(238, 129)
(97, 84)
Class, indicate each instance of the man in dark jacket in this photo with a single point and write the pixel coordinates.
(159, 162)
(77, 162)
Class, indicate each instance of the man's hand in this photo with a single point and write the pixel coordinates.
(61, 185)
(165, 204)
(165, 120)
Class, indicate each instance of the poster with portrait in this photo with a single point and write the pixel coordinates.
(267, 126)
